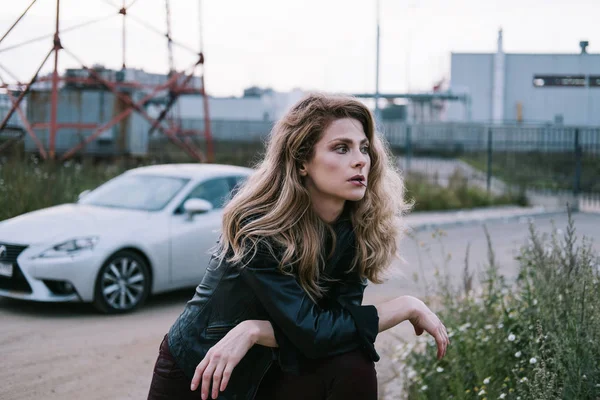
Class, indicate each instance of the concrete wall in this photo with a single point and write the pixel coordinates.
(473, 74)
(577, 105)
(87, 107)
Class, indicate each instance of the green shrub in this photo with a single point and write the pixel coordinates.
(458, 194)
(29, 184)
(535, 339)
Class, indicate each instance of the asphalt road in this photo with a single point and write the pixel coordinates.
(67, 351)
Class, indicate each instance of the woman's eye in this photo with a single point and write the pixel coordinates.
(341, 149)
(365, 149)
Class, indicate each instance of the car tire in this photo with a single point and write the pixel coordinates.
(122, 284)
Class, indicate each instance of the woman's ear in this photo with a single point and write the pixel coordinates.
(302, 170)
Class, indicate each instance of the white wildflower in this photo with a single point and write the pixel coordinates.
(502, 396)
(518, 354)
(481, 392)
(535, 302)
(486, 381)
(524, 379)
(532, 360)
(439, 369)
(511, 338)
(423, 388)
(488, 327)
(500, 326)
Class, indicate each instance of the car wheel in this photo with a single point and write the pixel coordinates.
(122, 284)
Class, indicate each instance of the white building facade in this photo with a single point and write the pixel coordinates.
(527, 88)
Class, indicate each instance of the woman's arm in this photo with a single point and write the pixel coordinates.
(261, 332)
(395, 311)
(315, 331)
(391, 313)
(222, 358)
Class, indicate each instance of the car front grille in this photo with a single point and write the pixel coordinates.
(10, 252)
(17, 282)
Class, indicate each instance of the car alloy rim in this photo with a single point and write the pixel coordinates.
(123, 283)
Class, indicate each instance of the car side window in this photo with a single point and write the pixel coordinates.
(236, 182)
(215, 191)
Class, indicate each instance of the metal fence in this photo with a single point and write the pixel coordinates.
(543, 162)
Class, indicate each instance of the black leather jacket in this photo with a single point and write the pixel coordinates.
(304, 330)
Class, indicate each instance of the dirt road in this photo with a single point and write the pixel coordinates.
(67, 351)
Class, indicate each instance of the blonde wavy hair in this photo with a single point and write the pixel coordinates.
(274, 204)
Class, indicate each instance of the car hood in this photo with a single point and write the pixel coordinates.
(69, 221)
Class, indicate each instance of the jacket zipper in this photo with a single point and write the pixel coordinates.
(219, 329)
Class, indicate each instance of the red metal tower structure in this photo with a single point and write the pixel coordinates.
(178, 83)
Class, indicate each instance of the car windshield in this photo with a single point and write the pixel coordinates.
(139, 192)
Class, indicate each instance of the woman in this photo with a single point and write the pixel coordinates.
(278, 314)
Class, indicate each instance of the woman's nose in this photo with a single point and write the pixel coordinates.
(360, 161)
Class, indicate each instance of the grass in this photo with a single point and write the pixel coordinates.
(535, 339)
(27, 184)
(536, 170)
(458, 194)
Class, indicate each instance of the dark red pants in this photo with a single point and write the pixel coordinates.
(346, 376)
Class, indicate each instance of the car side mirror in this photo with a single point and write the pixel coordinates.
(83, 194)
(196, 206)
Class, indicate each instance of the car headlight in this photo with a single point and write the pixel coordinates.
(70, 247)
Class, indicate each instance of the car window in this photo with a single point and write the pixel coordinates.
(236, 182)
(136, 191)
(215, 191)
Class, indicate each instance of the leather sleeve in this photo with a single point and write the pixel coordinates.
(316, 332)
(349, 294)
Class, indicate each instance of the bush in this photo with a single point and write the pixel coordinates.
(28, 185)
(458, 194)
(536, 339)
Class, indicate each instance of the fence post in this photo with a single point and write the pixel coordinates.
(408, 148)
(489, 161)
(577, 180)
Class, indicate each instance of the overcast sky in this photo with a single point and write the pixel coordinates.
(311, 44)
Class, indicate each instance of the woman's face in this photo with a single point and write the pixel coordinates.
(339, 168)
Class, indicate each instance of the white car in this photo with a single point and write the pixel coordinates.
(148, 230)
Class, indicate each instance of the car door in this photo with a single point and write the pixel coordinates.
(193, 238)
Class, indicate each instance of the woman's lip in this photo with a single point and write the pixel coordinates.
(357, 183)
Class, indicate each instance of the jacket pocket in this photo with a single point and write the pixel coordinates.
(217, 331)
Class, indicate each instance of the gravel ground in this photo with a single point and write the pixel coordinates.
(66, 351)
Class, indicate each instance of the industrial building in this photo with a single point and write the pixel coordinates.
(256, 104)
(85, 105)
(559, 89)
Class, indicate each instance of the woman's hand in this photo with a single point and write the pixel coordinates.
(222, 358)
(424, 320)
